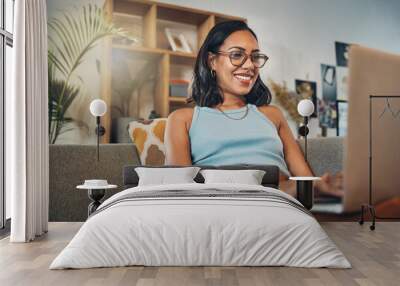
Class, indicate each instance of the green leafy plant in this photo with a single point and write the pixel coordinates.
(71, 37)
(56, 87)
(288, 100)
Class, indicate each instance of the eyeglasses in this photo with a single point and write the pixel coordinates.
(238, 58)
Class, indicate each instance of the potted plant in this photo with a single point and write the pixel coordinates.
(70, 40)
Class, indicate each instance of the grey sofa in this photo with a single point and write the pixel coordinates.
(70, 165)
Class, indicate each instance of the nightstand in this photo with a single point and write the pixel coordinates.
(304, 190)
(96, 190)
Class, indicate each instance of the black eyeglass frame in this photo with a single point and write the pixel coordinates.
(246, 56)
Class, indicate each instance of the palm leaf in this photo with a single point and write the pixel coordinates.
(71, 37)
(58, 106)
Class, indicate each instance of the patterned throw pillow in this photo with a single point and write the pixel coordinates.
(148, 136)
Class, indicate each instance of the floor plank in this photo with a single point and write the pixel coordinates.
(375, 257)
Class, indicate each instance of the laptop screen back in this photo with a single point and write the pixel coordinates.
(372, 72)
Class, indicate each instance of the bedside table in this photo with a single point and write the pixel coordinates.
(96, 190)
(304, 190)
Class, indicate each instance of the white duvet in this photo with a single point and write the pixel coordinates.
(200, 231)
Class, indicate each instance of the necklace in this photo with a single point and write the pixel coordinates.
(245, 114)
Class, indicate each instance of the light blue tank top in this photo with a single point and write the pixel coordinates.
(218, 140)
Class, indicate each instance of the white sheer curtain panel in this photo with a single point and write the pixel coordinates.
(27, 124)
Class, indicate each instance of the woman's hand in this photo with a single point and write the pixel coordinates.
(330, 185)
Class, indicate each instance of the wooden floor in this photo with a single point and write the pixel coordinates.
(375, 256)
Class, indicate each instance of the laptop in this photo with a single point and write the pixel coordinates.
(371, 72)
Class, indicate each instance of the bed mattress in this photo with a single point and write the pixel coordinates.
(201, 225)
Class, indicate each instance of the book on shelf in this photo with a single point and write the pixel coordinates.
(178, 87)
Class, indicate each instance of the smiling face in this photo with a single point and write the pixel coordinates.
(234, 80)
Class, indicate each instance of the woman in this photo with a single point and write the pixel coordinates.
(233, 121)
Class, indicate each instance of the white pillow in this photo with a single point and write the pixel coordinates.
(163, 176)
(249, 177)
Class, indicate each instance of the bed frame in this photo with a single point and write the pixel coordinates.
(270, 179)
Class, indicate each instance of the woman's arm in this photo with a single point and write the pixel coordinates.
(297, 164)
(177, 144)
(293, 155)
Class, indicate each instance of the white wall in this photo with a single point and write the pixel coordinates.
(298, 35)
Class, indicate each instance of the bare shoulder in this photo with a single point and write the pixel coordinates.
(273, 112)
(181, 116)
(271, 109)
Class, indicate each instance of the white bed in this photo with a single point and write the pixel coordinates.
(269, 228)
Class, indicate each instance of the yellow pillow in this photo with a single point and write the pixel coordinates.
(148, 136)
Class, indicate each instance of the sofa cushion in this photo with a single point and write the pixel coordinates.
(324, 154)
(148, 136)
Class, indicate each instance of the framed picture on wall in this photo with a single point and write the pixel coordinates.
(342, 75)
(327, 113)
(341, 125)
(342, 53)
(177, 41)
(308, 90)
(328, 79)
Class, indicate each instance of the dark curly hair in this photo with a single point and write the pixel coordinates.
(205, 91)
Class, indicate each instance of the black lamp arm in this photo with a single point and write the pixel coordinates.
(303, 131)
(100, 131)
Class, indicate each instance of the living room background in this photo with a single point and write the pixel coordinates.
(298, 36)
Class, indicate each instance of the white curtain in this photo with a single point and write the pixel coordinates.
(27, 123)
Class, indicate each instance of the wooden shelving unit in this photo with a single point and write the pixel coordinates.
(150, 18)
(177, 99)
